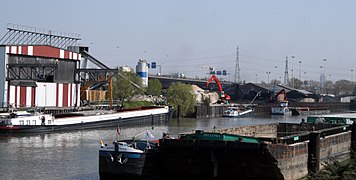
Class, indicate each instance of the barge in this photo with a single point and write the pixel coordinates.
(269, 151)
(344, 118)
(38, 122)
(296, 111)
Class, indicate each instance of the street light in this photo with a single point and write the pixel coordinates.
(268, 76)
(324, 60)
(292, 72)
(45, 99)
(276, 67)
(352, 75)
(300, 75)
(256, 78)
(324, 75)
(305, 77)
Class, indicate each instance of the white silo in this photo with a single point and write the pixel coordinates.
(142, 71)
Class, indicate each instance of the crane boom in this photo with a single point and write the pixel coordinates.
(213, 77)
(223, 97)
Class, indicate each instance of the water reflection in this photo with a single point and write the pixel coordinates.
(74, 155)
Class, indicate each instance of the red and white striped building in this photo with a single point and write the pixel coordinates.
(54, 93)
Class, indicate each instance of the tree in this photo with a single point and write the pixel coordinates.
(343, 87)
(297, 83)
(154, 87)
(179, 94)
(123, 87)
(329, 87)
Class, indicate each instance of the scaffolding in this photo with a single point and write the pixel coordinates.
(26, 35)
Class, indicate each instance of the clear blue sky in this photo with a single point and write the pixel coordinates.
(184, 35)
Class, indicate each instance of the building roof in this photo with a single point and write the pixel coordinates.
(42, 51)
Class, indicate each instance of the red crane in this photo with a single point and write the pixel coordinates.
(223, 97)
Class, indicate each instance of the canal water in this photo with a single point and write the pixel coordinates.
(74, 155)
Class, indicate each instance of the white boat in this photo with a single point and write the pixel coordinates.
(281, 109)
(236, 111)
(37, 122)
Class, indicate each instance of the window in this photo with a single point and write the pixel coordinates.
(49, 122)
(28, 122)
(33, 122)
(21, 122)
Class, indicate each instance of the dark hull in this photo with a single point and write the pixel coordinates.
(309, 111)
(158, 118)
(142, 168)
(137, 166)
(211, 159)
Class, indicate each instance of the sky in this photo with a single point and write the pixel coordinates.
(185, 36)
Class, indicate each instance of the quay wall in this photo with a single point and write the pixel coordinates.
(209, 111)
(333, 106)
(216, 110)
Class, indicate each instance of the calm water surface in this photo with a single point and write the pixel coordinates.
(74, 155)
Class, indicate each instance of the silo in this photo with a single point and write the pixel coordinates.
(142, 71)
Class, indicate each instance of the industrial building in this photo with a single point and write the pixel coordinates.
(38, 76)
(45, 68)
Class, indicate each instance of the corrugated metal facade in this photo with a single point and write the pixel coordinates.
(44, 94)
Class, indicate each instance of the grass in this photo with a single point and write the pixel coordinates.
(136, 104)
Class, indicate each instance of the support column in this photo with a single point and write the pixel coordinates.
(110, 92)
(353, 136)
(314, 152)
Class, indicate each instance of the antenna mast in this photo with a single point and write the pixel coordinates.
(237, 67)
(286, 77)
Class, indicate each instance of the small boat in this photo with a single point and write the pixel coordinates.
(39, 123)
(128, 159)
(281, 109)
(236, 111)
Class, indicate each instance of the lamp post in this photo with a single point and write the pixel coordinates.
(160, 73)
(275, 67)
(305, 77)
(352, 75)
(292, 71)
(45, 98)
(268, 76)
(300, 74)
(324, 60)
(256, 78)
(324, 75)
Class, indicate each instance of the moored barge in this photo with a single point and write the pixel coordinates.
(38, 122)
(269, 151)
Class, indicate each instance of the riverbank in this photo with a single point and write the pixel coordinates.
(216, 110)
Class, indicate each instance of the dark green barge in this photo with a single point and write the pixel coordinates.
(269, 151)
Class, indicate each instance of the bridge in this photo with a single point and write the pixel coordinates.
(168, 80)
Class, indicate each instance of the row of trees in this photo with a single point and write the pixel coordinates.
(129, 84)
(329, 87)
